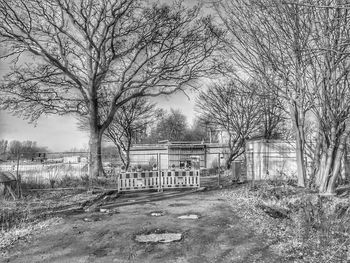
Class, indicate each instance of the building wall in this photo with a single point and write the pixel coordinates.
(272, 159)
(183, 153)
(215, 156)
(147, 155)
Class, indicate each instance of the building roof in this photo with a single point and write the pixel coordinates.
(164, 145)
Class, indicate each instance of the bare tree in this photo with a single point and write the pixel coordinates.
(199, 131)
(300, 48)
(331, 88)
(267, 40)
(26, 149)
(234, 109)
(272, 111)
(131, 120)
(74, 56)
(170, 126)
(212, 132)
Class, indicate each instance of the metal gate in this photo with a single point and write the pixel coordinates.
(133, 181)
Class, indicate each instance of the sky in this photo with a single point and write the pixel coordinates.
(60, 133)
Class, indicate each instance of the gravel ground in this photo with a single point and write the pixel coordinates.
(230, 225)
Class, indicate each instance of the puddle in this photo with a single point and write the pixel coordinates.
(189, 216)
(157, 213)
(92, 219)
(158, 238)
(100, 252)
(109, 211)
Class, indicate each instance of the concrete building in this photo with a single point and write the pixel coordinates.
(178, 154)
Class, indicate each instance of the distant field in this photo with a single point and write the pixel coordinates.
(43, 173)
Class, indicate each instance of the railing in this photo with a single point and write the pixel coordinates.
(180, 179)
(133, 181)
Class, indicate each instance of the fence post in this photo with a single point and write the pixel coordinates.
(199, 178)
(160, 189)
(88, 170)
(219, 170)
(118, 175)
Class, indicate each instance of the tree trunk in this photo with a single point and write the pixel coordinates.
(316, 162)
(95, 158)
(228, 163)
(320, 169)
(346, 166)
(95, 163)
(335, 173)
(324, 173)
(301, 169)
(298, 114)
(331, 171)
(298, 124)
(127, 154)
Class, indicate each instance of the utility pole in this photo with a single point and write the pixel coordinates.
(18, 178)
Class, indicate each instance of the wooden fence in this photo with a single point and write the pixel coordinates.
(133, 181)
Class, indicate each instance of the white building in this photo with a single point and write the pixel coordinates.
(270, 159)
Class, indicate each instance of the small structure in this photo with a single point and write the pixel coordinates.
(7, 184)
(270, 160)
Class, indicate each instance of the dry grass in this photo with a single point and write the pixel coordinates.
(39, 206)
(312, 229)
(24, 231)
(22, 218)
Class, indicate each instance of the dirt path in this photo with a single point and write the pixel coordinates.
(217, 236)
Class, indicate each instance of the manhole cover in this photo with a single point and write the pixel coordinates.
(190, 216)
(158, 238)
(157, 213)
